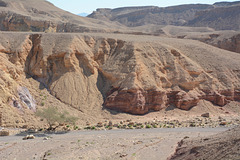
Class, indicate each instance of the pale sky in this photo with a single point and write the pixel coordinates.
(87, 6)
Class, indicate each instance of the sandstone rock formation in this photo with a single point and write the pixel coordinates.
(130, 74)
(85, 73)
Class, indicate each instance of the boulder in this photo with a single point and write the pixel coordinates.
(206, 115)
(4, 133)
(29, 137)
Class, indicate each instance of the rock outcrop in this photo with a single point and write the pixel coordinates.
(115, 68)
(130, 74)
(26, 98)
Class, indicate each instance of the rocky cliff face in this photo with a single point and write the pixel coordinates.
(220, 16)
(130, 74)
(138, 16)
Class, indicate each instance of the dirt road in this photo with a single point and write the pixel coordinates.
(142, 144)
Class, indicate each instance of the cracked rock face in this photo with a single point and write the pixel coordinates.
(27, 98)
(89, 72)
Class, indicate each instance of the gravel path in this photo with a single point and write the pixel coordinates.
(112, 144)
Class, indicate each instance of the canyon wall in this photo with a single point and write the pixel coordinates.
(124, 73)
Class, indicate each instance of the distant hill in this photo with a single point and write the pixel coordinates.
(220, 15)
(138, 16)
(221, 4)
(41, 15)
(83, 14)
(220, 18)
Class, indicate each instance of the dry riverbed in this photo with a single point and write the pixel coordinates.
(158, 143)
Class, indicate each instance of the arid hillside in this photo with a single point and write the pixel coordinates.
(227, 39)
(110, 68)
(133, 74)
(41, 15)
(224, 146)
(220, 16)
(138, 16)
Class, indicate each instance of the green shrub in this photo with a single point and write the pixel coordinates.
(52, 115)
(148, 126)
(76, 127)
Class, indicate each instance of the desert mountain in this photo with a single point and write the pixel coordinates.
(85, 73)
(134, 74)
(220, 16)
(41, 15)
(138, 16)
(224, 4)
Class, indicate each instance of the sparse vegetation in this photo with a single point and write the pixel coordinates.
(148, 126)
(76, 127)
(52, 115)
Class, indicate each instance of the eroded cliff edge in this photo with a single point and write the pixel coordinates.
(127, 73)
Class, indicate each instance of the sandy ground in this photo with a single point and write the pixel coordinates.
(140, 144)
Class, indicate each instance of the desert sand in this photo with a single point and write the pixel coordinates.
(142, 144)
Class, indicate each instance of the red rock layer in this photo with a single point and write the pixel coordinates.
(141, 102)
(136, 101)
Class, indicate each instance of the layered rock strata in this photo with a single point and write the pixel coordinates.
(130, 74)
